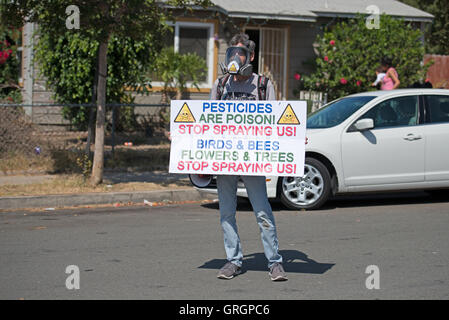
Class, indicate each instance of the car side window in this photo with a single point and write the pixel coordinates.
(437, 108)
(401, 111)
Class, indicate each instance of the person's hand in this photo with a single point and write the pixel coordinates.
(168, 135)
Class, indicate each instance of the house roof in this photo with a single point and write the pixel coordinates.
(307, 10)
(293, 10)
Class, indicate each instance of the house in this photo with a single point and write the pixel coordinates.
(284, 31)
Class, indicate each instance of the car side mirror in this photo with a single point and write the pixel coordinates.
(364, 124)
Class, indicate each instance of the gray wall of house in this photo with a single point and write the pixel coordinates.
(34, 89)
(302, 37)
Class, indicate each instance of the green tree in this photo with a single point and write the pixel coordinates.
(69, 61)
(349, 54)
(437, 33)
(100, 20)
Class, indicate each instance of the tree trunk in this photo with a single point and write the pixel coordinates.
(164, 96)
(178, 94)
(98, 164)
(90, 128)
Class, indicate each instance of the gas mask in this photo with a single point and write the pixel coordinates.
(238, 61)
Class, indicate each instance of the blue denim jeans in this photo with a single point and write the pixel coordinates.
(257, 193)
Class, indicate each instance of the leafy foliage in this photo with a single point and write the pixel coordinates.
(69, 61)
(129, 18)
(437, 33)
(100, 21)
(349, 54)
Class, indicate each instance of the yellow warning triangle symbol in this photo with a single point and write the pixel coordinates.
(232, 68)
(185, 115)
(288, 116)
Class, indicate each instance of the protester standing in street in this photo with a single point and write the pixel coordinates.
(240, 83)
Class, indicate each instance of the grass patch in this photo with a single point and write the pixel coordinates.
(139, 158)
(14, 162)
(76, 183)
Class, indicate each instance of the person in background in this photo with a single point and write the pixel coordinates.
(380, 74)
(391, 79)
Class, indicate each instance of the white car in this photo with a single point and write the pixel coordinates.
(367, 142)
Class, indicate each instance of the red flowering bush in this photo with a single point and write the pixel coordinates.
(9, 66)
(349, 54)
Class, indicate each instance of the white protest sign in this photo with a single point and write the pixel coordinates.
(257, 138)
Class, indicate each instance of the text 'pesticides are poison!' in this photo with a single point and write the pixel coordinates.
(257, 138)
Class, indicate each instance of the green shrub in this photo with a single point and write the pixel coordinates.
(9, 66)
(349, 54)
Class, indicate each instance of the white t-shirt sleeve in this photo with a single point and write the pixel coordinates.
(379, 78)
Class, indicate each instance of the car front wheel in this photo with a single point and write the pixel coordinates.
(310, 191)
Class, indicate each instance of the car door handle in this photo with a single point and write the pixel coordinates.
(412, 137)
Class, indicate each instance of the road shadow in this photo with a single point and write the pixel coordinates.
(356, 200)
(243, 204)
(384, 199)
(258, 262)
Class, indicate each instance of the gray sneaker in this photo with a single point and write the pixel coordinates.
(277, 272)
(229, 271)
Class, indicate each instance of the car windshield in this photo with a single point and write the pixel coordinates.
(336, 112)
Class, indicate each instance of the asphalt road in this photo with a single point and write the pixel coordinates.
(174, 252)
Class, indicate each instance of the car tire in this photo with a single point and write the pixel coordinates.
(308, 192)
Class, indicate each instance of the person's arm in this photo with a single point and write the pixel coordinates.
(395, 79)
(378, 79)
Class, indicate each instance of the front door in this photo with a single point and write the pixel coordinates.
(271, 60)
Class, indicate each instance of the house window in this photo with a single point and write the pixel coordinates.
(396, 112)
(194, 37)
(194, 40)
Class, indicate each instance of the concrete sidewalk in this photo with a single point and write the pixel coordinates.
(184, 192)
(110, 176)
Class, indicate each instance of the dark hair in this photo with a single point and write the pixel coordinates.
(386, 61)
(243, 38)
(418, 84)
(379, 69)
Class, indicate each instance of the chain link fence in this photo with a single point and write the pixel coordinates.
(17, 133)
(315, 100)
(24, 144)
(37, 119)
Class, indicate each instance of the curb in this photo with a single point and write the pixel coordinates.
(69, 200)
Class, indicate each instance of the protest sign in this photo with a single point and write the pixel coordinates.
(257, 138)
